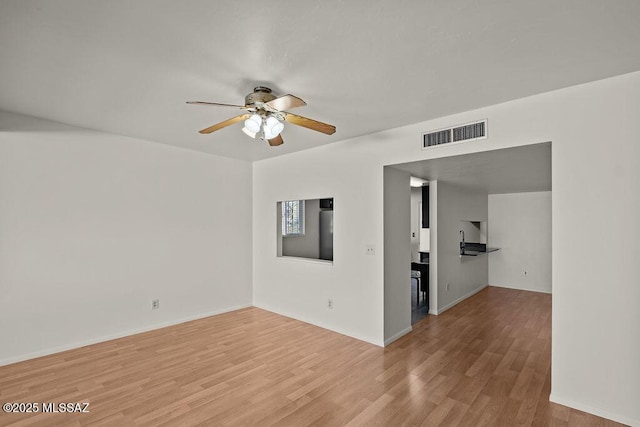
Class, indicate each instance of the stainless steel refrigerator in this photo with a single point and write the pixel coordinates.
(326, 235)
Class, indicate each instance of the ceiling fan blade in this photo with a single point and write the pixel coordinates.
(226, 123)
(286, 102)
(310, 123)
(276, 141)
(216, 104)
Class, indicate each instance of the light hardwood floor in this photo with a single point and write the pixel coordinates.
(484, 362)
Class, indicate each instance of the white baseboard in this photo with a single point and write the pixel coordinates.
(322, 325)
(397, 336)
(592, 410)
(520, 289)
(459, 300)
(59, 349)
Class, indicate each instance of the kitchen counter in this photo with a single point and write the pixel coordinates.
(475, 249)
(476, 253)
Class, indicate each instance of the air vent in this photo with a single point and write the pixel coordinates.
(468, 132)
(437, 138)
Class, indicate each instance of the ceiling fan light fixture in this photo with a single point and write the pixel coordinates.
(253, 124)
(249, 133)
(272, 127)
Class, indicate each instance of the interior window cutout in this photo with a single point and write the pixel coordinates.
(305, 229)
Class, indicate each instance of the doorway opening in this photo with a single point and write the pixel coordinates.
(506, 195)
(420, 247)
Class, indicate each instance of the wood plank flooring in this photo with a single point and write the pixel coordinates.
(484, 362)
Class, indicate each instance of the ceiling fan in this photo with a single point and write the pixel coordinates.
(265, 114)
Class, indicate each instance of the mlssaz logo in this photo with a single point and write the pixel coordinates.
(65, 407)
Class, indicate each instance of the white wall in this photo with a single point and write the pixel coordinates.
(397, 261)
(354, 281)
(465, 275)
(93, 226)
(596, 170)
(433, 247)
(520, 225)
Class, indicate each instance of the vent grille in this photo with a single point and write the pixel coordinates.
(472, 131)
(468, 132)
(437, 138)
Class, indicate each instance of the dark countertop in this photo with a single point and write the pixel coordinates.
(476, 253)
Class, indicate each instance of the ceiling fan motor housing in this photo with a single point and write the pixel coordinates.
(260, 94)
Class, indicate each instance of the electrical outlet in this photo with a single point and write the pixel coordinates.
(371, 250)
(155, 304)
(330, 304)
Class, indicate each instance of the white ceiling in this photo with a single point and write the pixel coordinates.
(127, 67)
(509, 170)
